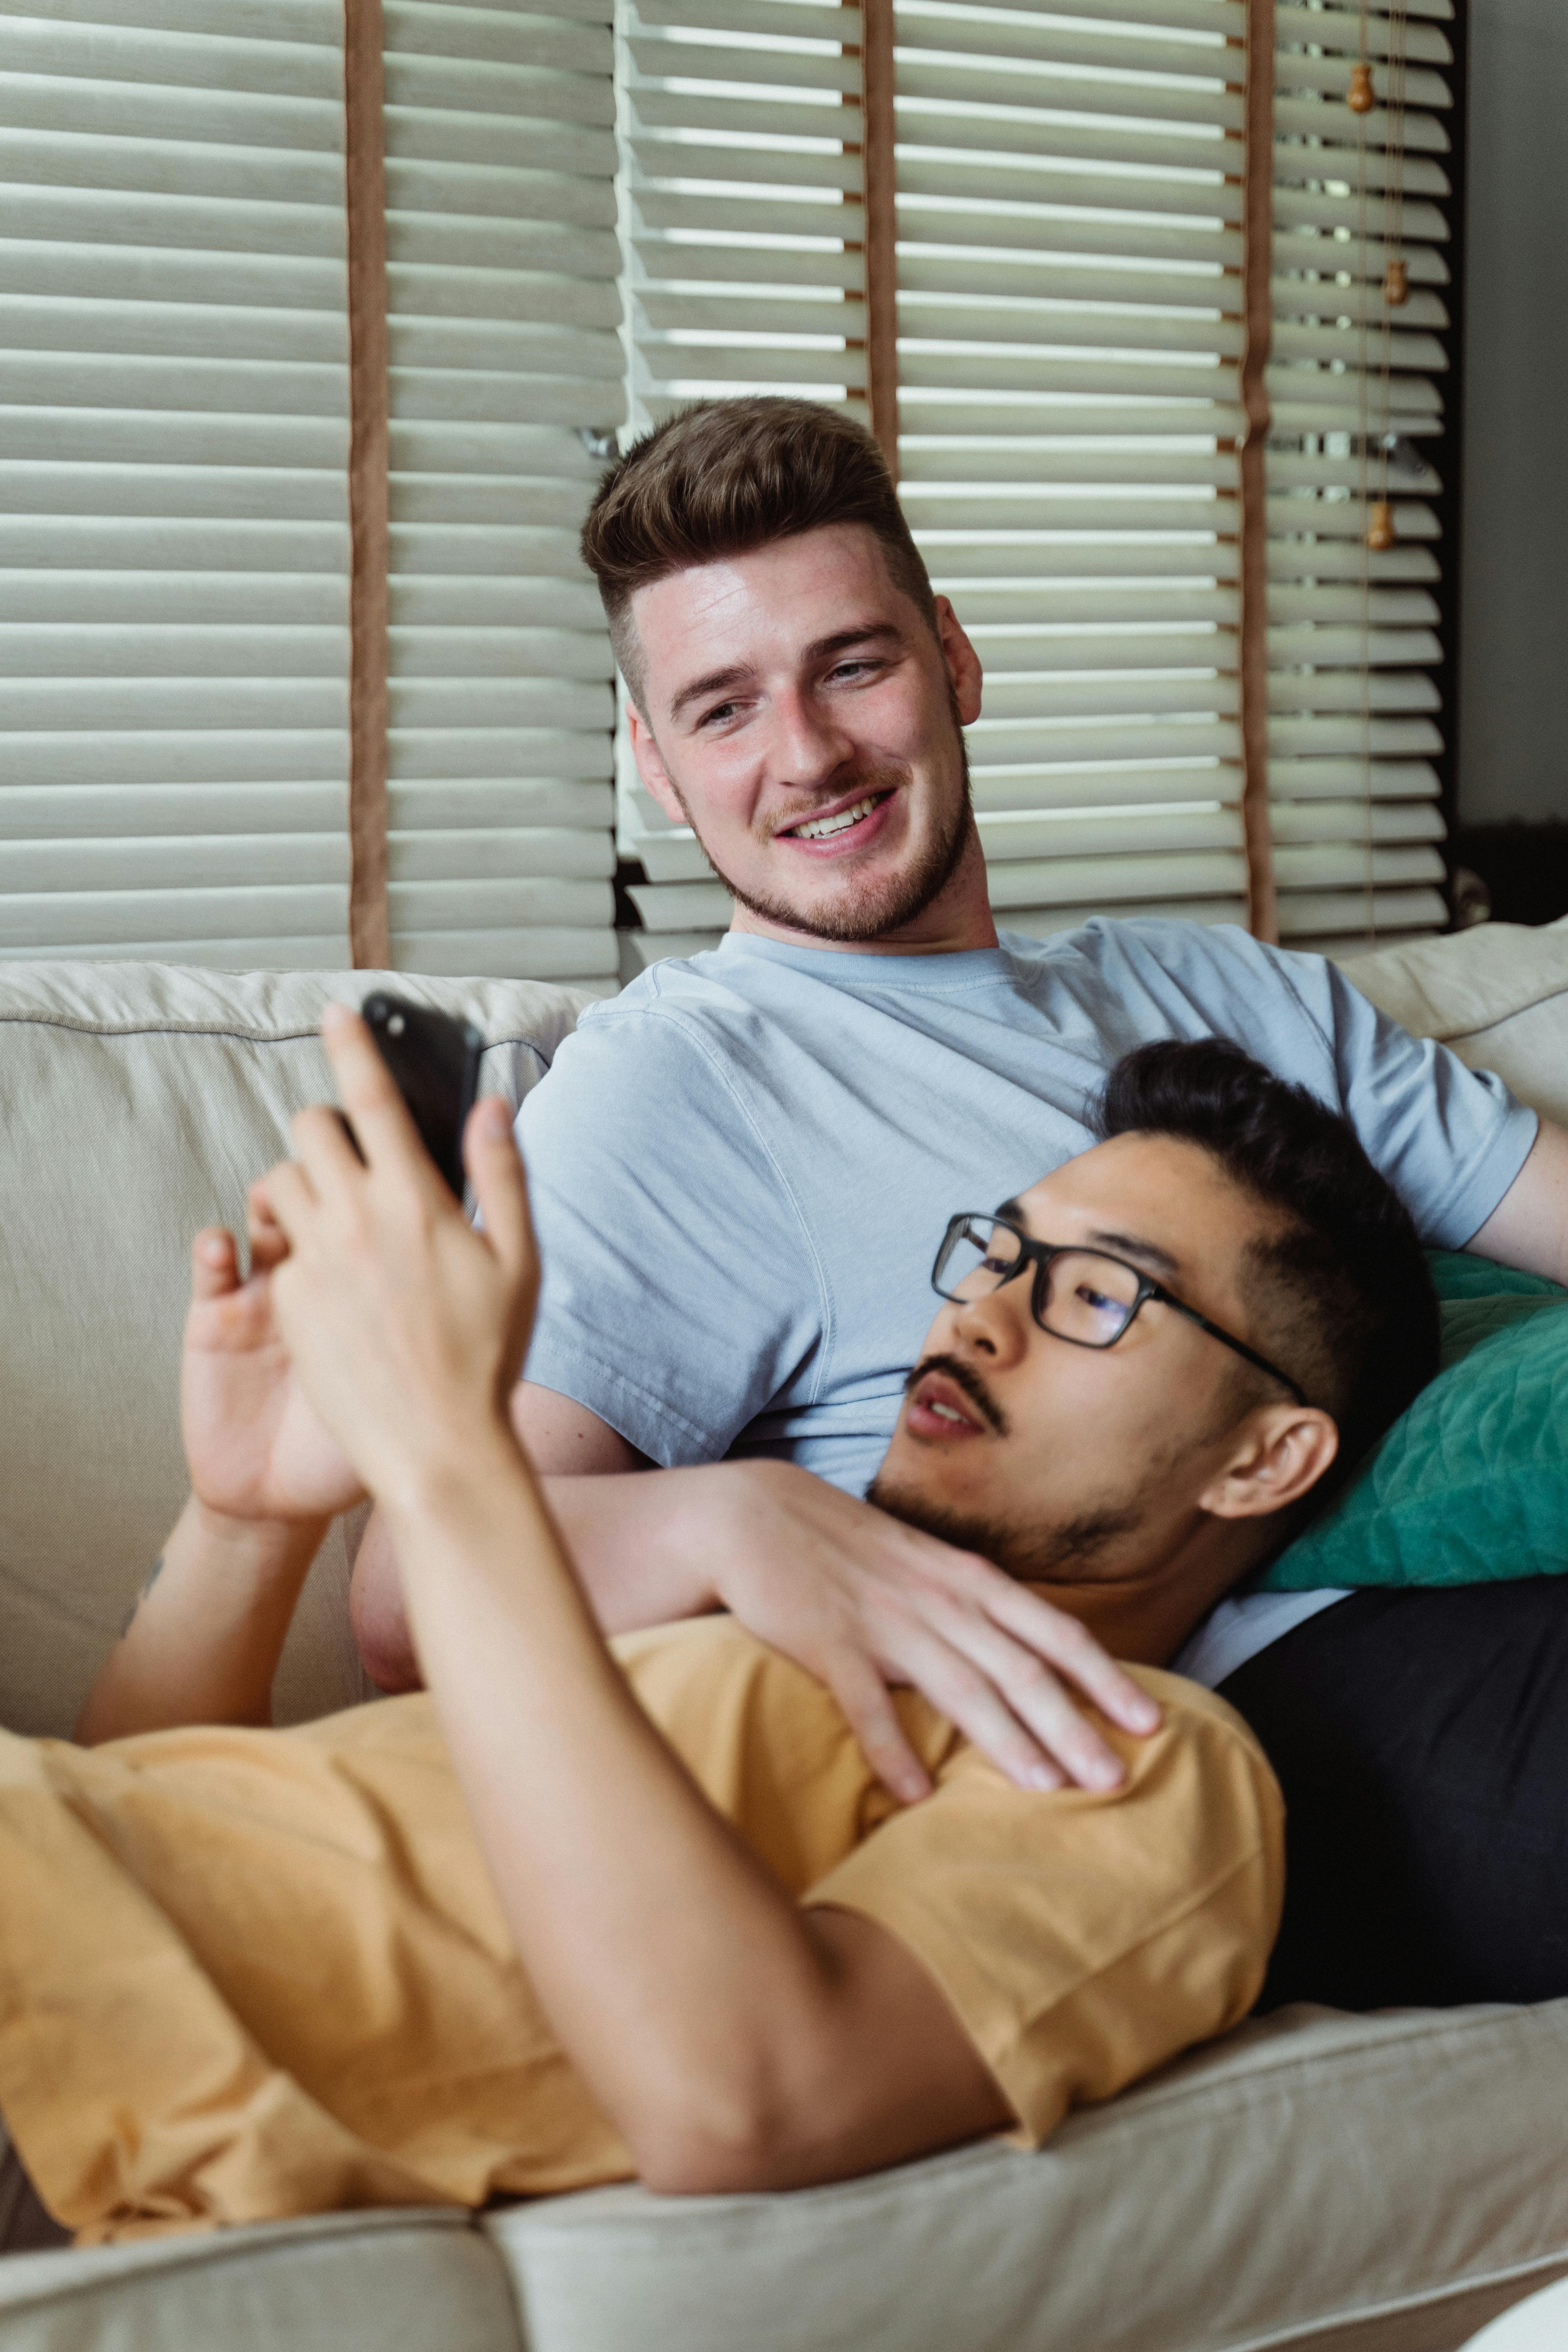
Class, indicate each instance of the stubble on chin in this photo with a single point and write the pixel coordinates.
(874, 908)
(1063, 1553)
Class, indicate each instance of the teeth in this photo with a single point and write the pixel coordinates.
(822, 826)
(947, 1412)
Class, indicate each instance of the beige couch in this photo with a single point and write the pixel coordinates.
(1316, 2180)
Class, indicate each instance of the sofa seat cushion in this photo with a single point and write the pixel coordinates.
(417, 2281)
(1377, 2184)
(137, 1103)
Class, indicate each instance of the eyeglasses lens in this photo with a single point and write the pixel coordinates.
(1078, 1295)
(977, 1259)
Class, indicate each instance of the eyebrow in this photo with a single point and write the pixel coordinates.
(1133, 1245)
(821, 649)
(1130, 1246)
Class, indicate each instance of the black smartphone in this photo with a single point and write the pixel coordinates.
(435, 1063)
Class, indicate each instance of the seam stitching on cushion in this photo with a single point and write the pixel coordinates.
(1168, 2099)
(1305, 2332)
(937, 2171)
(201, 1029)
(242, 2246)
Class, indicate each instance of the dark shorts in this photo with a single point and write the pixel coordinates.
(25, 2227)
(1421, 1739)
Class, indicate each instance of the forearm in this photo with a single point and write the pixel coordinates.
(641, 1542)
(698, 2002)
(203, 1643)
(643, 1556)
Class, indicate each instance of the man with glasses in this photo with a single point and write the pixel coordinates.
(738, 1161)
(581, 1913)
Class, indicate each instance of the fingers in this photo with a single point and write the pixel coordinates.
(495, 1170)
(325, 1146)
(289, 1200)
(1035, 1698)
(870, 1714)
(378, 1111)
(269, 1243)
(1072, 1650)
(214, 1265)
(993, 1682)
(972, 1701)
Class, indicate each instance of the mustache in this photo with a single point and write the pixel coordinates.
(962, 1377)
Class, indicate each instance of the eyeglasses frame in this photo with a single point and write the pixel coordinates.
(1039, 1254)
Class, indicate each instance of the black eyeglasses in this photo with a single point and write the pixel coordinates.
(1085, 1296)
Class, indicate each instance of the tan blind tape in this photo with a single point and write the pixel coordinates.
(1258, 197)
(881, 256)
(369, 934)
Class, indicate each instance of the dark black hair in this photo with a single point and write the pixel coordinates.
(1342, 1293)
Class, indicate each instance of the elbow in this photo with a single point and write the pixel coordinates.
(689, 2165)
(733, 2150)
(377, 1620)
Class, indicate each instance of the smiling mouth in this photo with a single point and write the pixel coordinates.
(823, 828)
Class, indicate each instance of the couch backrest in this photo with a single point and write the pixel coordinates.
(1498, 995)
(137, 1102)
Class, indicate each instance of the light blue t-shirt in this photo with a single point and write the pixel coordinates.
(741, 1166)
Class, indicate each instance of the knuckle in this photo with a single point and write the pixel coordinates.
(1034, 1676)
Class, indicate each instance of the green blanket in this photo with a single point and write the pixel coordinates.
(1471, 1484)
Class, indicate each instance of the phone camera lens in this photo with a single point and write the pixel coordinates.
(396, 1025)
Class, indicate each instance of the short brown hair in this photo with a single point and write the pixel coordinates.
(725, 475)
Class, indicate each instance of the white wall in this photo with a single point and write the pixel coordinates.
(1513, 634)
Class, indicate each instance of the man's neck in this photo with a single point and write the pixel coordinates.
(1145, 1619)
(959, 919)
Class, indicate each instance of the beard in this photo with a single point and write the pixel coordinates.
(1061, 1553)
(1057, 1552)
(872, 909)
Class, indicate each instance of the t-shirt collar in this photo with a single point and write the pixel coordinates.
(842, 967)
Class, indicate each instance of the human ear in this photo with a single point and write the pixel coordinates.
(650, 766)
(1280, 1454)
(962, 663)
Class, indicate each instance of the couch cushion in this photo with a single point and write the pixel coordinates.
(1377, 2184)
(1497, 994)
(1471, 1485)
(398, 2281)
(137, 1102)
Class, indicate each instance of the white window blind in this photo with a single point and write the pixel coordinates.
(1353, 709)
(503, 314)
(173, 408)
(174, 581)
(1070, 330)
(743, 223)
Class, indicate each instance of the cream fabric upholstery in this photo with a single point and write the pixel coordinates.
(1540, 2324)
(1498, 995)
(1380, 2184)
(137, 1102)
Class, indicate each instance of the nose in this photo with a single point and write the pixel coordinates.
(809, 742)
(1000, 1326)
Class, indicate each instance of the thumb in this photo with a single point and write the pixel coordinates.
(495, 1170)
